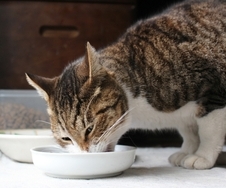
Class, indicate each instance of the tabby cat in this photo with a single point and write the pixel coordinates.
(168, 71)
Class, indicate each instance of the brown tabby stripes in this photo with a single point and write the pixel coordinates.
(171, 59)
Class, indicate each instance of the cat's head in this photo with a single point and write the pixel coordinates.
(87, 107)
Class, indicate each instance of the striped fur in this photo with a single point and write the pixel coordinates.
(176, 57)
(168, 71)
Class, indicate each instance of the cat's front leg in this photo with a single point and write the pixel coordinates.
(212, 128)
(190, 144)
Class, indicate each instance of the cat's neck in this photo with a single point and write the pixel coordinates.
(114, 56)
(116, 59)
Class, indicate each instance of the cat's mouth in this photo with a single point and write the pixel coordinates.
(76, 149)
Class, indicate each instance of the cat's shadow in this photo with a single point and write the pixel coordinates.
(163, 172)
(170, 171)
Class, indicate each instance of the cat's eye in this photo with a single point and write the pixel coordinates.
(66, 139)
(88, 130)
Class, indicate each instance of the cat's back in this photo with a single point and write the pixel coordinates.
(188, 32)
(176, 56)
(184, 25)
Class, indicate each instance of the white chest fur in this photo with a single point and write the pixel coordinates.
(144, 116)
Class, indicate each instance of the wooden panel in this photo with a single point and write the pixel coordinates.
(43, 37)
(90, 1)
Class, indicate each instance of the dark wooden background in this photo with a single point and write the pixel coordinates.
(42, 37)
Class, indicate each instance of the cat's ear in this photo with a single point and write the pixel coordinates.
(44, 86)
(90, 66)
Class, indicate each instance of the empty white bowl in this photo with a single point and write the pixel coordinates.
(16, 144)
(56, 162)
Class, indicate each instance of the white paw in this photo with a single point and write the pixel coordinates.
(196, 162)
(176, 158)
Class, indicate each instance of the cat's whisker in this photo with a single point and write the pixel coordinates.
(42, 121)
(108, 131)
(114, 127)
(111, 131)
(108, 138)
(104, 146)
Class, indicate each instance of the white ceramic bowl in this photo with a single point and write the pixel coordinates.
(55, 162)
(16, 144)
